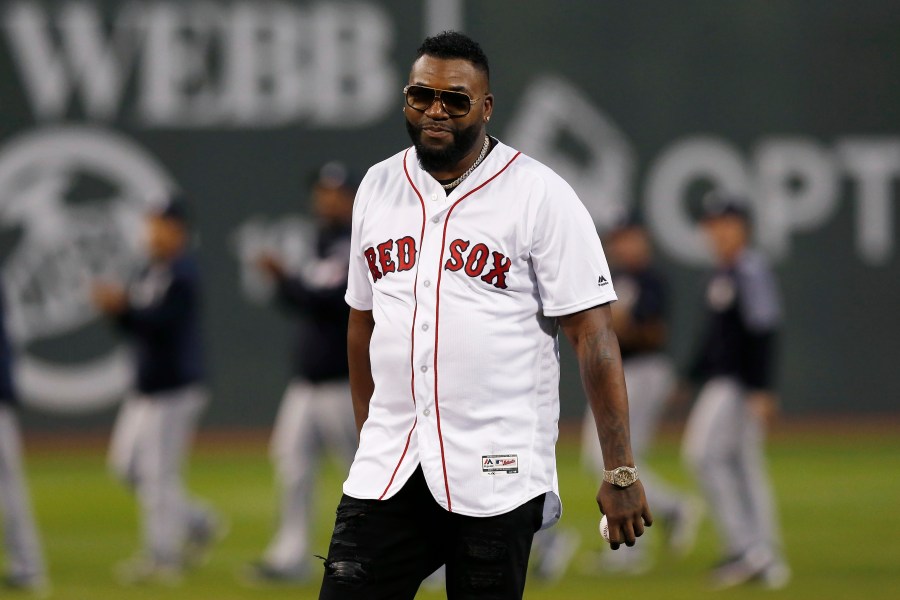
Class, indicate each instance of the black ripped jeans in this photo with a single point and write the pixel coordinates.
(383, 549)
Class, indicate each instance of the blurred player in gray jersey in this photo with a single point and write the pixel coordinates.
(316, 413)
(725, 435)
(25, 563)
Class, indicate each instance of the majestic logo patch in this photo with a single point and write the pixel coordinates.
(491, 464)
(602, 281)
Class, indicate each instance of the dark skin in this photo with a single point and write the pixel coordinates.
(437, 128)
(359, 333)
(591, 334)
(589, 331)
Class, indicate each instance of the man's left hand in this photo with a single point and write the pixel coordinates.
(626, 511)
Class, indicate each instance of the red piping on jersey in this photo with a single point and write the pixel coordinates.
(412, 336)
(400, 462)
(437, 306)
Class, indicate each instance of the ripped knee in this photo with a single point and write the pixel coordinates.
(483, 580)
(344, 565)
(485, 550)
(484, 559)
(348, 572)
(350, 516)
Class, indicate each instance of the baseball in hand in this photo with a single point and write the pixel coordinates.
(604, 528)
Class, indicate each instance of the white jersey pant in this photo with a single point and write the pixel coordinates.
(649, 379)
(724, 444)
(20, 536)
(150, 442)
(313, 417)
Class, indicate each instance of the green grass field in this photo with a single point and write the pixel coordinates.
(839, 498)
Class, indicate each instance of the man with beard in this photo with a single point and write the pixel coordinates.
(467, 257)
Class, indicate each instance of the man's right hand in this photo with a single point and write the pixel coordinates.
(626, 512)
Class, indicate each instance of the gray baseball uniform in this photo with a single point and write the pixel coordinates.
(20, 537)
(724, 441)
(25, 560)
(153, 432)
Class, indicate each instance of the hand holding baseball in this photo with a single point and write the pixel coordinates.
(604, 528)
(625, 513)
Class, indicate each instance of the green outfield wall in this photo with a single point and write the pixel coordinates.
(105, 105)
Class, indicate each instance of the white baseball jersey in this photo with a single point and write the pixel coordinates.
(464, 290)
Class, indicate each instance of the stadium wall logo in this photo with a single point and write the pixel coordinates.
(794, 183)
(71, 200)
(204, 64)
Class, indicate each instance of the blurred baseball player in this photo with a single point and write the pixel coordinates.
(639, 320)
(160, 313)
(725, 434)
(26, 569)
(316, 412)
(467, 257)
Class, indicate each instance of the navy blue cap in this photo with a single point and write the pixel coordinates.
(336, 174)
(175, 208)
(719, 203)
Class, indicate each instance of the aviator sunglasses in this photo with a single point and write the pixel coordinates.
(420, 98)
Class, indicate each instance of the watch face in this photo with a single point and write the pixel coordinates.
(624, 477)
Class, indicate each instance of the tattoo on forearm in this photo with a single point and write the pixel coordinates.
(605, 386)
(601, 348)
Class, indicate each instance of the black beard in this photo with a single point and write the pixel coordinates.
(443, 159)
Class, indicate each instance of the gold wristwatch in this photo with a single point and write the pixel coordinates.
(621, 476)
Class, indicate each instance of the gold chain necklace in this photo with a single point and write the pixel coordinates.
(461, 178)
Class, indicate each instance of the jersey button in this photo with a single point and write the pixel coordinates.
(426, 412)
(424, 326)
(427, 283)
(423, 368)
(434, 197)
(435, 219)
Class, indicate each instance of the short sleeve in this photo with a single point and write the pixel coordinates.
(359, 281)
(567, 257)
